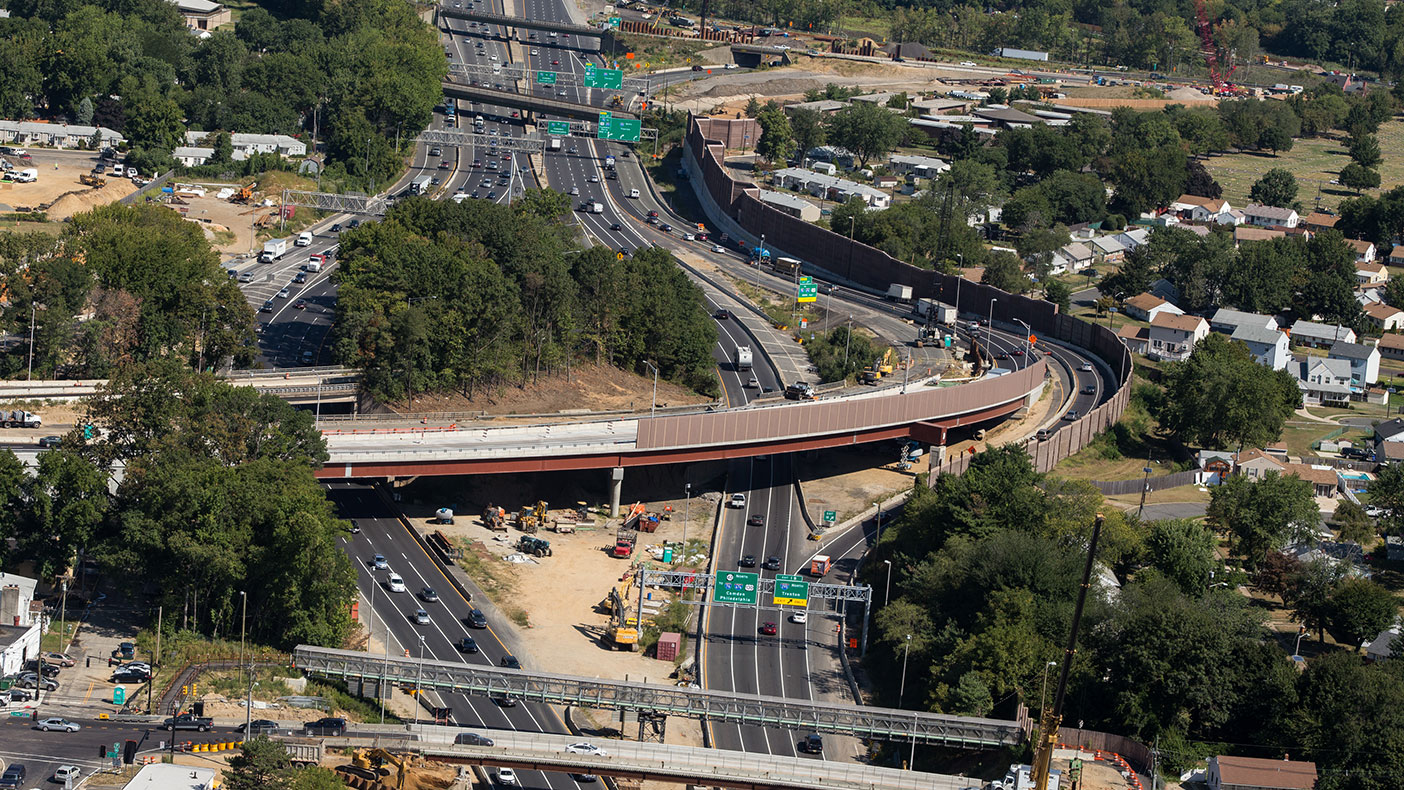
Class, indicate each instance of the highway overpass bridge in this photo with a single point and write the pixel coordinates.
(528, 103)
(917, 411)
(295, 385)
(522, 22)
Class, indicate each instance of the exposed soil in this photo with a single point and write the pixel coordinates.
(53, 183)
(592, 387)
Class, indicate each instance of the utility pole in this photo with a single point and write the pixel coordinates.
(687, 511)
(31, 340)
(156, 663)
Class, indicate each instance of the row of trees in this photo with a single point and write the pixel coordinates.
(372, 71)
(119, 284)
(986, 569)
(217, 498)
(442, 296)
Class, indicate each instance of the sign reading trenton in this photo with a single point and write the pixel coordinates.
(611, 128)
(808, 290)
(791, 590)
(608, 79)
(736, 588)
(545, 78)
(558, 128)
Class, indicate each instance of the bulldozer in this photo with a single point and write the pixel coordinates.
(369, 763)
(534, 546)
(88, 179)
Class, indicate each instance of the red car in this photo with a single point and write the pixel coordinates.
(300, 304)
(444, 165)
(769, 629)
(555, 63)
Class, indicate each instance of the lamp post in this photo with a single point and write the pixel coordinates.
(418, 681)
(852, 223)
(848, 336)
(31, 340)
(960, 276)
(687, 511)
(989, 328)
(1028, 332)
(887, 590)
(653, 410)
(902, 689)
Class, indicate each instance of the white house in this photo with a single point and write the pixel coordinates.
(1073, 257)
(1132, 238)
(1203, 209)
(1382, 646)
(1145, 307)
(1370, 272)
(256, 143)
(1323, 381)
(1268, 346)
(1384, 317)
(840, 190)
(1257, 773)
(1172, 337)
(1270, 216)
(919, 166)
(1364, 361)
(20, 625)
(1364, 251)
(1108, 249)
(1309, 333)
(793, 205)
(57, 135)
(1228, 321)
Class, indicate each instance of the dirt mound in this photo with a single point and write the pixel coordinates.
(593, 387)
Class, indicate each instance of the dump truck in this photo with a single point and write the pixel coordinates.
(534, 546)
(20, 419)
(623, 543)
(88, 179)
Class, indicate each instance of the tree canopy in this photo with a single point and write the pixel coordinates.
(1221, 397)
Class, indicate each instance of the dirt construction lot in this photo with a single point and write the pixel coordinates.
(56, 181)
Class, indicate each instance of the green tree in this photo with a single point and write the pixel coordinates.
(1353, 523)
(1059, 293)
(1365, 150)
(223, 148)
(1350, 716)
(866, 130)
(1183, 551)
(753, 108)
(1387, 492)
(777, 140)
(1263, 516)
(1221, 397)
(62, 506)
(1354, 176)
(1359, 610)
(1310, 594)
(1005, 272)
(261, 763)
(807, 126)
(1277, 187)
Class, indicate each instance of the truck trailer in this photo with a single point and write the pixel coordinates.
(273, 250)
(420, 185)
(742, 358)
(899, 292)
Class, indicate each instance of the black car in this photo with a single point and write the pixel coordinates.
(721, 315)
(353, 224)
(129, 676)
(336, 228)
(476, 619)
(505, 702)
(756, 520)
(772, 563)
(812, 743)
(510, 661)
(50, 442)
(472, 739)
(467, 645)
(267, 307)
(748, 561)
(330, 725)
(584, 778)
(428, 595)
(616, 226)
(14, 775)
(259, 727)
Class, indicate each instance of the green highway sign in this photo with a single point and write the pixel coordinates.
(791, 590)
(735, 587)
(808, 290)
(830, 516)
(611, 128)
(545, 78)
(614, 22)
(608, 79)
(558, 128)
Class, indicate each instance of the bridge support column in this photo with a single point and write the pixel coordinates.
(616, 487)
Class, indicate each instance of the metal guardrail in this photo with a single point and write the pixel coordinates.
(601, 693)
(556, 418)
(323, 370)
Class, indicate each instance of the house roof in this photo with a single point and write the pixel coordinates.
(1251, 333)
(1108, 245)
(1344, 350)
(1336, 366)
(930, 162)
(1213, 204)
(1146, 302)
(784, 199)
(25, 584)
(1390, 340)
(1361, 246)
(1005, 114)
(1270, 212)
(1392, 451)
(1313, 329)
(1198, 230)
(1248, 456)
(1390, 428)
(1136, 235)
(1133, 332)
(822, 105)
(1312, 474)
(1320, 220)
(1258, 772)
(1244, 233)
(1371, 267)
(1383, 643)
(1076, 251)
(1383, 312)
(1182, 323)
(1238, 318)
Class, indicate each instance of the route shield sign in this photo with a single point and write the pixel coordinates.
(545, 78)
(608, 79)
(791, 590)
(735, 587)
(808, 290)
(558, 128)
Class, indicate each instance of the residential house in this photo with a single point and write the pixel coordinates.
(1203, 231)
(1324, 482)
(1396, 255)
(1172, 337)
(1348, 83)
(1364, 361)
(1318, 221)
(822, 106)
(1202, 209)
(1136, 338)
(1108, 249)
(202, 14)
(840, 190)
(1217, 465)
(23, 622)
(1364, 250)
(1308, 333)
(1164, 289)
(1370, 272)
(1228, 321)
(1270, 216)
(1145, 307)
(793, 205)
(256, 143)
(1256, 773)
(1382, 646)
(1390, 431)
(941, 106)
(1131, 238)
(918, 166)
(1006, 116)
(1074, 257)
(57, 135)
(1269, 347)
(1243, 234)
(1384, 318)
(1255, 464)
(1391, 346)
(1323, 381)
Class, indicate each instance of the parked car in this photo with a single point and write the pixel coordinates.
(29, 680)
(330, 726)
(63, 725)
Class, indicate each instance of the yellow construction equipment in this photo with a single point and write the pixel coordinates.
(532, 518)
(244, 194)
(368, 763)
(885, 364)
(495, 518)
(87, 179)
(623, 627)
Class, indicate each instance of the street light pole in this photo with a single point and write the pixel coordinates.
(1043, 695)
(418, 681)
(687, 511)
(902, 689)
(653, 409)
(31, 340)
(1028, 332)
(989, 329)
(887, 590)
(243, 627)
(848, 336)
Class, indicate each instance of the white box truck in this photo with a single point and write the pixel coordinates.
(742, 359)
(555, 143)
(273, 250)
(935, 311)
(304, 239)
(596, 208)
(20, 419)
(420, 185)
(899, 292)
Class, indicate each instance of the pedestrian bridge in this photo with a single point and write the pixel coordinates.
(920, 410)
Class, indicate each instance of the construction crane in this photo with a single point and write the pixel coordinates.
(1051, 718)
(1218, 76)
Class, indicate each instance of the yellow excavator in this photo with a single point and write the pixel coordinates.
(369, 763)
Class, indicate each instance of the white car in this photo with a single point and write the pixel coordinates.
(534, 53)
(62, 725)
(1085, 367)
(506, 776)
(65, 772)
(731, 66)
(395, 582)
(737, 500)
(717, 248)
(799, 617)
(753, 382)
(967, 63)
(585, 747)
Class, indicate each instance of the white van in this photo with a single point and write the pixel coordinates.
(634, 193)
(304, 239)
(118, 170)
(27, 176)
